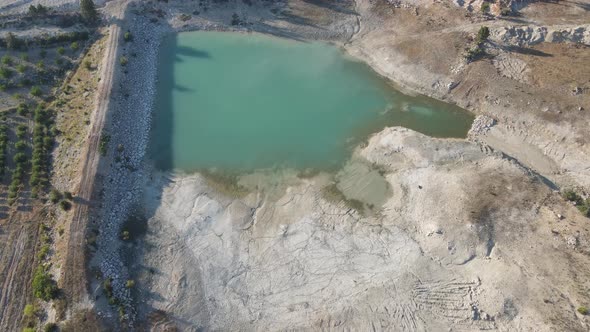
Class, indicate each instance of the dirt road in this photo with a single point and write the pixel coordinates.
(74, 277)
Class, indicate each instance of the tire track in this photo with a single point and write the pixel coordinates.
(75, 266)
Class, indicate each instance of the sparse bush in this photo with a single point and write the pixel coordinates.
(485, 7)
(24, 57)
(29, 310)
(235, 19)
(21, 130)
(506, 12)
(20, 145)
(104, 144)
(127, 36)
(74, 46)
(20, 158)
(38, 10)
(36, 91)
(87, 64)
(107, 285)
(68, 195)
(59, 61)
(125, 235)
(43, 53)
(54, 196)
(123, 61)
(40, 64)
(130, 283)
(12, 41)
(5, 73)
(65, 205)
(6, 60)
(44, 286)
(61, 50)
(582, 205)
(50, 327)
(482, 35)
(583, 310)
(42, 254)
(22, 109)
(21, 68)
(88, 10)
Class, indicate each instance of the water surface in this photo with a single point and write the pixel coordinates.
(239, 102)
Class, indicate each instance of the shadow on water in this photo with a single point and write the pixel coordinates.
(161, 153)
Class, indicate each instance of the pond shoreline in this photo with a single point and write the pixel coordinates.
(125, 183)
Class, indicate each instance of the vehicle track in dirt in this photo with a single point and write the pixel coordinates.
(20, 241)
(74, 278)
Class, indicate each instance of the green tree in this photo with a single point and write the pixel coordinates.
(88, 10)
(482, 34)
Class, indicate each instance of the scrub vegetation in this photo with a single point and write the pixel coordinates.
(583, 205)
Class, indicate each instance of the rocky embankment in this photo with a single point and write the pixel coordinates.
(129, 129)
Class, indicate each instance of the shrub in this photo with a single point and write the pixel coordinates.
(235, 19)
(59, 61)
(123, 61)
(88, 10)
(68, 195)
(20, 145)
(24, 57)
(43, 252)
(29, 329)
(36, 91)
(40, 64)
(29, 310)
(583, 310)
(74, 46)
(50, 327)
(485, 7)
(127, 36)
(65, 205)
(87, 64)
(5, 73)
(61, 50)
(104, 144)
(506, 12)
(21, 130)
(20, 158)
(572, 196)
(12, 41)
(39, 10)
(21, 68)
(22, 109)
(54, 196)
(482, 35)
(125, 235)
(6, 60)
(44, 286)
(474, 53)
(130, 283)
(108, 287)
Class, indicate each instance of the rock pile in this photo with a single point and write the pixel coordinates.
(130, 128)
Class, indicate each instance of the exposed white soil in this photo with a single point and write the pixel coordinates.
(460, 234)
(440, 254)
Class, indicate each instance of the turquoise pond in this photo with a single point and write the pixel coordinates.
(240, 102)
